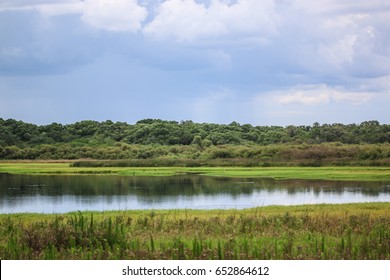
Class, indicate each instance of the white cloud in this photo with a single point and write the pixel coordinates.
(354, 98)
(332, 7)
(111, 15)
(306, 104)
(47, 7)
(320, 94)
(304, 98)
(114, 15)
(339, 52)
(332, 37)
(188, 20)
(57, 9)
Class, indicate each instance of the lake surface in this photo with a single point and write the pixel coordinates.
(60, 194)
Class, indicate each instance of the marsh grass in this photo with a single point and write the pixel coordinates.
(358, 231)
(354, 173)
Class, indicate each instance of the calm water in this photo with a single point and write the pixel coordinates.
(59, 194)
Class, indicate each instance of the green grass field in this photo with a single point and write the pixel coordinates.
(278, 173)
(347, 231)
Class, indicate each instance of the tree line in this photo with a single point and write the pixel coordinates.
(161, 132)
(153, 142)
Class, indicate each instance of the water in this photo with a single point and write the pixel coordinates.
(60, 194)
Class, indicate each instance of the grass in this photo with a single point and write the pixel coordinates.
(278, 173)
(347, 231)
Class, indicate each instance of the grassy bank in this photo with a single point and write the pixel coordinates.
(278, 173)
(349, 231)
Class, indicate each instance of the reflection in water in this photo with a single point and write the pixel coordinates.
(57, 194)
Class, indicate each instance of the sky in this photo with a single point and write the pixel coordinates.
(262, 62)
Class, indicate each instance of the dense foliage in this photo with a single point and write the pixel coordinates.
(151, 131)
(165, 143)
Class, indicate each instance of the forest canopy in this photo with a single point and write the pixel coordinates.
(156, 131)
(154, 142)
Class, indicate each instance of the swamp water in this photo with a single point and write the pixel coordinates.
(60, 194)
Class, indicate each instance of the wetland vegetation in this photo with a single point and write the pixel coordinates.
(277, 173)
(348, 231)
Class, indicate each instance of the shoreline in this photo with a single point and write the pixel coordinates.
(330, 208)
(345, 173)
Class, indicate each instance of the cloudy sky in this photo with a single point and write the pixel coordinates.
(263, 62)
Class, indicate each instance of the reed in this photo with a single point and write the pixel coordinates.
(355, 231)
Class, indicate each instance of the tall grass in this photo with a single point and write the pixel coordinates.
(261, 233)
